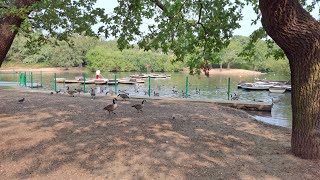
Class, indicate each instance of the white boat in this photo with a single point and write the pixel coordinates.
(255, 86)
(277, 89)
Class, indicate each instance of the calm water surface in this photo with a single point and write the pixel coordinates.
(214, 87)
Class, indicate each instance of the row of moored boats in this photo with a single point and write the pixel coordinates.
(272, 86)
(133, 79)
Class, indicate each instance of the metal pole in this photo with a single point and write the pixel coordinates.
(187, 86)
(228, 88)
(149, 86)
(55, 82)
(20, 75)
(84, 82)
(25, 79)
(31, 80)
(115, 84)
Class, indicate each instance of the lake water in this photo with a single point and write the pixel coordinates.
(214, 87)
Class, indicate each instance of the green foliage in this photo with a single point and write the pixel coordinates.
(106, 56)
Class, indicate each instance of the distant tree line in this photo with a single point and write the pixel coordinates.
(93, 54)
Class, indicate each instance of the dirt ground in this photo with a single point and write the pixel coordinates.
(62, 137)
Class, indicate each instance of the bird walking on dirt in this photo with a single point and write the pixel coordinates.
(93, 93)
(123, 96)
(139, 107)
(21, 100)
(111, 107)
(71, 92)
(78, 90)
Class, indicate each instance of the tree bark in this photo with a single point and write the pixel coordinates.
(7, 23)
(298, 34)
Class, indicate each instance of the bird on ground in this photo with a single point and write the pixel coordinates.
(110, 92)
(257, 100)
(122, 91)
(197, 91)
(21, 100)
(111, 107)
(71, 92)
(78, 90)
(235, 96)
(155, 93)
(124, 96)
(139, 106)
(145, 92)
(57, 92)
(93, 93)
(174, 90)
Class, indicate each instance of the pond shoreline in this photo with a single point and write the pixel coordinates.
(231, 72)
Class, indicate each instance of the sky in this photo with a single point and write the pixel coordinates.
(245, 30)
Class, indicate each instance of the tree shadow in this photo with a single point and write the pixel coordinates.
(53, 135)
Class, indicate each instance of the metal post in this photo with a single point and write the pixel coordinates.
(149, 86)
(55, 82)
(31, 80)
(20, 78)
(84, 82)
(228, 88)
(187, 86)
(115, 84)
(25, 79)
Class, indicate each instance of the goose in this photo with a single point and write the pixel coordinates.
(174, 90)
(124, 96)
(235, 96)
(21, 100)
(145, 92)
(155, 94)
(139, 106)
(71, 92)
(111, 107)
(110, 92)
(78, 90)
(197, 91)
(93, 93)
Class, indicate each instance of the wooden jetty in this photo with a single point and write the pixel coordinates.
(244, 105)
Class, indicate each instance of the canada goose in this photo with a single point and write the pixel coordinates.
(71, 92)
(123, 96)
(93, 93)
(122, 91)
(111, 107)
(155, 94)
(174, 90)
(110, 92)
(139, 106)
(145, 92)
(197, 91)
(235, 96)
(21, 100)
(57, 92)
(78, 90)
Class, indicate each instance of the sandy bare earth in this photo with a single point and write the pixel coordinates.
(61, 137)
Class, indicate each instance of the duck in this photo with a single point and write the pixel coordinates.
(71, 92)
(21, 100)
(124, 96)
(111, 107)
(92, 93)
(139, 106)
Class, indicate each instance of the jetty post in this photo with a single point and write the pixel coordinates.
(149, 86)
(115, 84)
(55, 82)
(31, 80)
(84, 82)
(229, 88)
(187, 86)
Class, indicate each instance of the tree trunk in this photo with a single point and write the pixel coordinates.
(298, 34)
(220, 66)
(228, 67)
(7, 23)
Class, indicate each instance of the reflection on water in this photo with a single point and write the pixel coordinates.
(214, 87)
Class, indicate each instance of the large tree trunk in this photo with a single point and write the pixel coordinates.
(220, 66)
(298, 34)
(7, 23)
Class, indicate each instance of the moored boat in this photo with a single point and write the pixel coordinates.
(277, 89)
